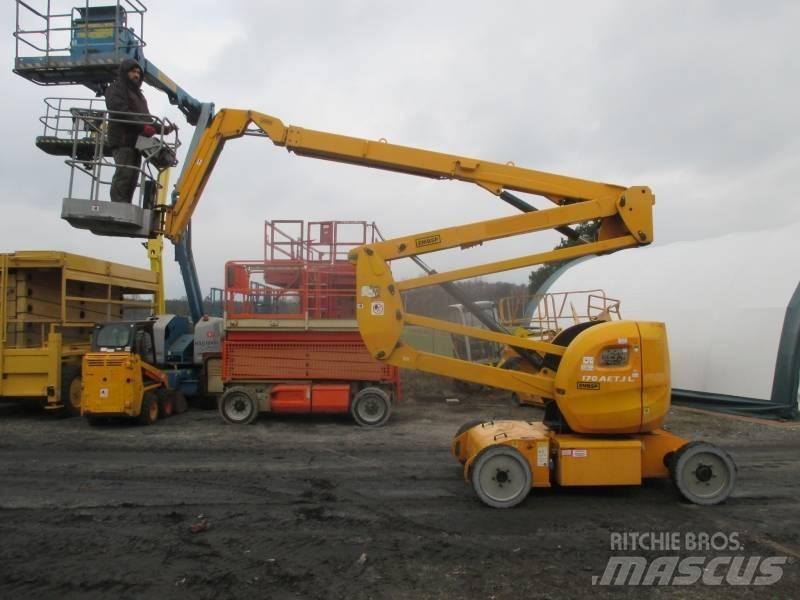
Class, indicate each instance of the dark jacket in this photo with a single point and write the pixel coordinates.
(124, 96)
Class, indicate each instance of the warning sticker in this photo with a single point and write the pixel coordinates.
(580, 453)
(587, 364)
(541, 455)
(566, 452)
(369, 291)
(104, 392)
(377, 309)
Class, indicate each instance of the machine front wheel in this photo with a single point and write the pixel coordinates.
(501, 477)
(238, 406)
(149, 412)
(703, 473)
(371, 407)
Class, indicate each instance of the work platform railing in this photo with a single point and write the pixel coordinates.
(77, 129)
(289, 290)
(58, 43)
(316, 241)
(545, 315)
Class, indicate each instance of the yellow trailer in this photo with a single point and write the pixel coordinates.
(49, 304)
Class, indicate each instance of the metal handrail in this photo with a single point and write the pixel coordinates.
(83, 123)
(52, 26)
(305, 247)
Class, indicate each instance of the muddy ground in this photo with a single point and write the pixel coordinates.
(319, 508)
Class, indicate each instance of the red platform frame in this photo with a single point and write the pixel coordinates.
(305, 284)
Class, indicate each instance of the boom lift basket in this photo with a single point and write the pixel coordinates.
(76, 128)
(83, 45)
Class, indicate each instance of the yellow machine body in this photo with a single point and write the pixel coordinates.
(114, 384)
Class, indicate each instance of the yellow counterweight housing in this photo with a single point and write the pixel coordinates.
(112, 384)
(614, 378)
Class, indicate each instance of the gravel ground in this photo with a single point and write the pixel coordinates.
(320, 508)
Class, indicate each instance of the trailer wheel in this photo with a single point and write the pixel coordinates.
(371, 407)
(149, 412)
(703, 473)
(71, 390)
(238, 406)
(501, 476)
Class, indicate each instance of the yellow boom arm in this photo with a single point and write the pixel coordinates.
(625, 215)
(495, 177)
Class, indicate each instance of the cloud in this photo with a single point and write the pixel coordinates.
(698, 101)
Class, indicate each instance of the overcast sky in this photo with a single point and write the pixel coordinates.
(698, 100)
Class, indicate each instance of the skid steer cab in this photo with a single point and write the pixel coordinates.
(120, 377)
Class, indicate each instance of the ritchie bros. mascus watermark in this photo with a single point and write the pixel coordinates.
(686, 558)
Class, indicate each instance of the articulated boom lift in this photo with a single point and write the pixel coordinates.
(607, 384)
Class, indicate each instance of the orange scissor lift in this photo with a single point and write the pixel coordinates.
(292, 343)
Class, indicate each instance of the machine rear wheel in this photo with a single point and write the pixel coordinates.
(703, 473)
(501, 476)
(371, 407)
(166, 403)
(179, 403)
(149, 412)
(238, 406)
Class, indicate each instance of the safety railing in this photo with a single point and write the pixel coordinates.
(77, 129)
(290, 290)
(316, 241)
(548, 314)
(46, 29)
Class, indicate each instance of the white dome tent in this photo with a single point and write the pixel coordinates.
(732, 309)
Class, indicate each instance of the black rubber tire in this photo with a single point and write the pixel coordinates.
(70, 390)
(506, 461)
(469, 425)
(166, 403)
(694, 479)
(149, 414)
(371, 407)
(180, 404)
(238, 406)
